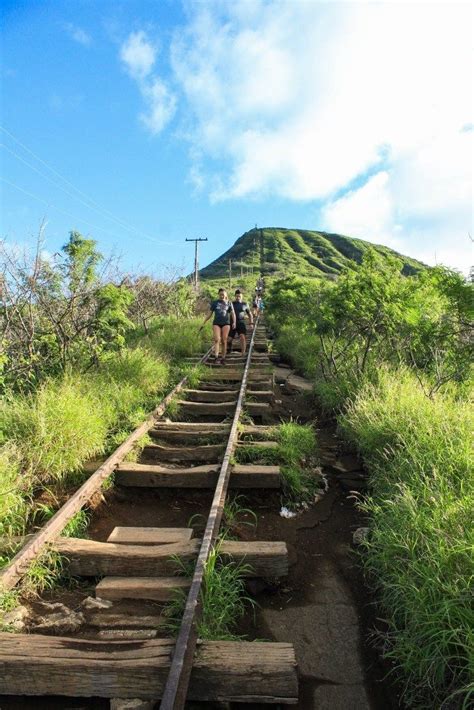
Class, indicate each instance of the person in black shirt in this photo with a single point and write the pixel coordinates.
(224, 317)
(241, 309)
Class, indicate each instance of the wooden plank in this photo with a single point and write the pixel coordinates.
(148, 476)
(237, 671)
(228, 376)
(119, 621)
(89, 558)
(259, 431)
(17, 567)
(262, 395)
(246, 476)
(205, 408)
(216, 386)
(186, 435)
(211, 396)
(258, 445)
(207, 452)
(258, 408)
(145, 475)
(158, 589)
(264, 383)
(213, 426)
(148, 536)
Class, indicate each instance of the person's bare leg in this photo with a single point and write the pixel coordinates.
(225, 335)
(217, 340)
(243, 343)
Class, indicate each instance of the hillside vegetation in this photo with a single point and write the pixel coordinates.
(85, 354)
(277, 252)
(390, 357)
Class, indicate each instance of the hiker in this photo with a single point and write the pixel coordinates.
(241, 309)
(224, 316)
(255, 303)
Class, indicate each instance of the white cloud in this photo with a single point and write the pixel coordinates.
(371, 213)
(367, 212)
(161, 105)
(78, 34)
(300, 99)
(139, 54)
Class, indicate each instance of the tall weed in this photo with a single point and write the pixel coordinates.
(57, 428)
(14, 493)
(177, 338)
(420, 552)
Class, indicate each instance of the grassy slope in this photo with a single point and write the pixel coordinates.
(296, 251)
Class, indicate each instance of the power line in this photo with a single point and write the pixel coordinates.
(49, 204)
(93, 204)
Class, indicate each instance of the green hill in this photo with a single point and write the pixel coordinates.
(276, 251)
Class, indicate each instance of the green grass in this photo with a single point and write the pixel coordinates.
(298, 451)
(8, 601)
(235, 516)
(44, 426)
(246, 453)
(223, 600)
(419, 555)
(15, 493)
(46, 435)
(173, 408)
(43, 574)
(77, 526)
(176, 338)
(297, 456)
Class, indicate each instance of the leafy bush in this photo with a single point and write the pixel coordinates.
(391, 356)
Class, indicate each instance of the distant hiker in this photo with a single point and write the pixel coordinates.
(224, 316)
(241, 309)
(255, 303)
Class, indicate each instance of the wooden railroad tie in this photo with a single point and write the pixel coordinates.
(89, 558)
(204, 476)
(238, 671)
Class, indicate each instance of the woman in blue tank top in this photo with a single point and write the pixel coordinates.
(224, 317)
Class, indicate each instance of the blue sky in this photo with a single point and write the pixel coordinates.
(142, 123)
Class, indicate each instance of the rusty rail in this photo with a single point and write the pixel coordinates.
(176, 688)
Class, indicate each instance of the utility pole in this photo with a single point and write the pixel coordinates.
(196, 261)
(230, 274)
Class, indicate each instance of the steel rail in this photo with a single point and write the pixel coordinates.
(19, 564)
(177, 682)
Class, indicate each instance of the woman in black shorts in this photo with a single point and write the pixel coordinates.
(241, 310)
(224, 316)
